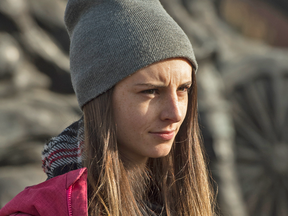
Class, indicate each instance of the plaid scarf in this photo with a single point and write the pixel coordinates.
(63, 153)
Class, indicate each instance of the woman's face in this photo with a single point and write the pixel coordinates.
(149, 108)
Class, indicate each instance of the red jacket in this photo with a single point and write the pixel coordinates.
(62, 195)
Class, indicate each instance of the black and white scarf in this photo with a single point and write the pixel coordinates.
(64, 152)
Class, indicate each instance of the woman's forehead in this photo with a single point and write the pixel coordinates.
(174, 70)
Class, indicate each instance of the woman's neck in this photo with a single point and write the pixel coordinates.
(139, 180)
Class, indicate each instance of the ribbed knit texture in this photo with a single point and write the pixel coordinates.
(112, 39)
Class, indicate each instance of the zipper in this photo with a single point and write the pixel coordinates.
(69, 200)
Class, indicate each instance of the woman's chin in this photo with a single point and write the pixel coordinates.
(158, 153)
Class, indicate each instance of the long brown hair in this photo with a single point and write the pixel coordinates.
(181, 177)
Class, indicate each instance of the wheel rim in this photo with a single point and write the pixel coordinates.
(259, 99)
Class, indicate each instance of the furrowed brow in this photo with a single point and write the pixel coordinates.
(150, 85)
(186, 83)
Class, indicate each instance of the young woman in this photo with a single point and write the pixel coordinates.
(133, 71)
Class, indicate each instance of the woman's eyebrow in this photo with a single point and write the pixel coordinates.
(186, 83)
(161, 86)
(150, 85)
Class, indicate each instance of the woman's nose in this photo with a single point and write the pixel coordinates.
(172, 109)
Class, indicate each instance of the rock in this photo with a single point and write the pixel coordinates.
(28, 77)
(21, 153)
(9, 55)
(13, 8)
(35, 113)
(49, 11)
(7, 88)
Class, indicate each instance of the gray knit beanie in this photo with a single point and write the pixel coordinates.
(112, 39)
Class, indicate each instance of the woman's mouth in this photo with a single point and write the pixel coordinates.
(165, 135)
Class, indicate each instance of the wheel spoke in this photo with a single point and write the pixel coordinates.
(260, 114)
(285, 182)
(245, 119)
(282, 204)
(267, 203)
(256, 195)
(278, 101)
(253, 138)
(284, 133)
(246, 153)
(284, 128)
(262, 89)
(249, 174)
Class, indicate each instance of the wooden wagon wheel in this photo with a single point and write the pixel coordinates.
(259, 97)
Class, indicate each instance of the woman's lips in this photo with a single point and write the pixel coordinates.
(165, 135)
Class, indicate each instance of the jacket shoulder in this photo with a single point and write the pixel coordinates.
(51, 197)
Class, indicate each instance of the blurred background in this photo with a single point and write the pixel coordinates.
(242, 49)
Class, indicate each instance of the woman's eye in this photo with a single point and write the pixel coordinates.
(184, 88)
(150, 91)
